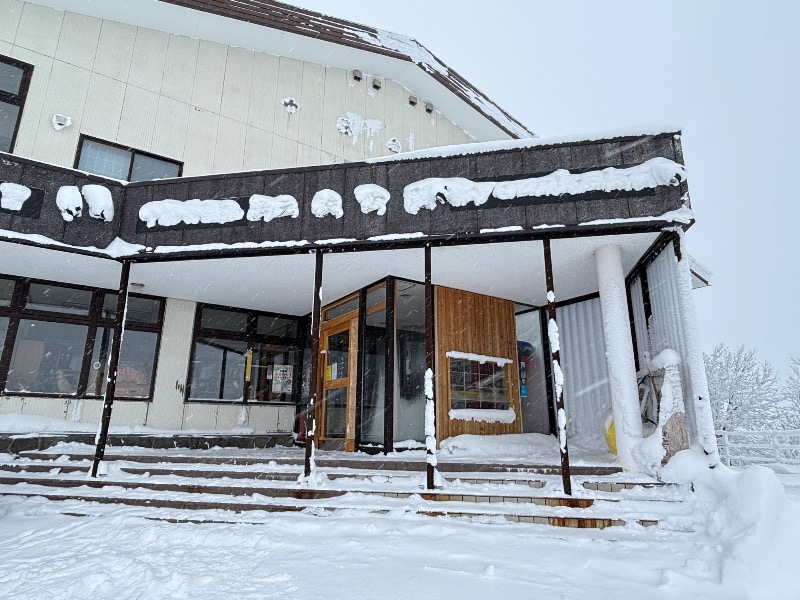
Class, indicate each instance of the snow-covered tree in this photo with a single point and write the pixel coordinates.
(744, 392)
(789, 413)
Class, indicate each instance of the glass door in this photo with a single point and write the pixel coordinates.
(336, 411)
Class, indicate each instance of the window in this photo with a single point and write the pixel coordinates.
(243, 356)
(119, 162)
(59, 340)
(475, 384)
(15, 76)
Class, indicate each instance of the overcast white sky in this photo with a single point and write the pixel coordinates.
(728, 73)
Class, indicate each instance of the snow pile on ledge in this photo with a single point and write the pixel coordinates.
(269, 207)
(483, 415)
(372, 197)
(171, 212)
(13, 195)
(327, 202)
(458, 191)
(98, 199)
(481, 358)
(750, 519)
(531, 446)
(69, 201)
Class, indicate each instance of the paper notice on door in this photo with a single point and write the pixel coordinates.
(328, 373)
(333, 371)
(282, 376)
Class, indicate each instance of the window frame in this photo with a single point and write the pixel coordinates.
(94, 322)
(20, 97)
(133, 152)
(495, 405)
(250, 336)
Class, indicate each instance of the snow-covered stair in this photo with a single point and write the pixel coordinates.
(243, 485)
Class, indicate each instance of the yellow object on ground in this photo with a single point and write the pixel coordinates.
(609, 432)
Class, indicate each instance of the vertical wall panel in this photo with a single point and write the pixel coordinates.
(312, 92)
(199, 417)
(166, 410)
(238, 81)
(289, 82)
(137, 121)
(394, 95)
(200, 141)
(128, 414)
(10, 405)
(355, 94)
(32, 115)
(179, 68)
(39, 28)
(66, 95)
(333, 141)
(11, 11)
(586, 392)
(103, 107)
(147, 62)
(263, 418)
(114, 50)
(209, 76)
(229, 152)
(78, 42)
(257, 149)
(170, 128)
(52, 408)
(263, 102)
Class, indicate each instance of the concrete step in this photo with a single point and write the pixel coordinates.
(360, 462)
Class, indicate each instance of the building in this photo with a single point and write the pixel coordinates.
(228, 175)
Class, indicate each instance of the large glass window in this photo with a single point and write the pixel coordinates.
(63, 337)
(245, 356)
(14, 79)
(128, 164)
(475, 384)
(47, 357)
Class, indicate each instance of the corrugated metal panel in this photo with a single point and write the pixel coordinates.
(10, 405)
(12, 11)
(39, 29)
(103, 108)
(665, 324)
(583, 351)
(114, 50)
(639, 325)
(166, 410)
(238, 81)
(149, 56)
(78, 41)
(138, 118)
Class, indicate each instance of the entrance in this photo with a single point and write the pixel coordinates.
(372, 369)
(338, 353)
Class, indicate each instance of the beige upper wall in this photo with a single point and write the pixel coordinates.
(217, 108)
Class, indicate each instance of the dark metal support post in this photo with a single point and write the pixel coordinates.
(113, 363)
(556, 356)
(429, 351)
(388, 378)
(313, 380)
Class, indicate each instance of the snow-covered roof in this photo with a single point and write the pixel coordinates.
(284, 30)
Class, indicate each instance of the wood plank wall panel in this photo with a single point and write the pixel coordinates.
(468, 322)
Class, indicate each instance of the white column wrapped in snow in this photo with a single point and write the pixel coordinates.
(619, 353)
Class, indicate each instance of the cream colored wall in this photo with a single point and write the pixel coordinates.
(217, 108)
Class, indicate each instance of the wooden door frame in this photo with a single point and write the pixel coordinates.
(347, 322)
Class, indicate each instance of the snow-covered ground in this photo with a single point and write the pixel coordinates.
(742, 546)
(119, 554)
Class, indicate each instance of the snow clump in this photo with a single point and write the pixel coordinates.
(290, 104)
(69, 202)
(327, 202)
(269, 207)
(394, 145)
(13, 195)
(98, 199)
(168, 213)
(355, 126)
(372, 197)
